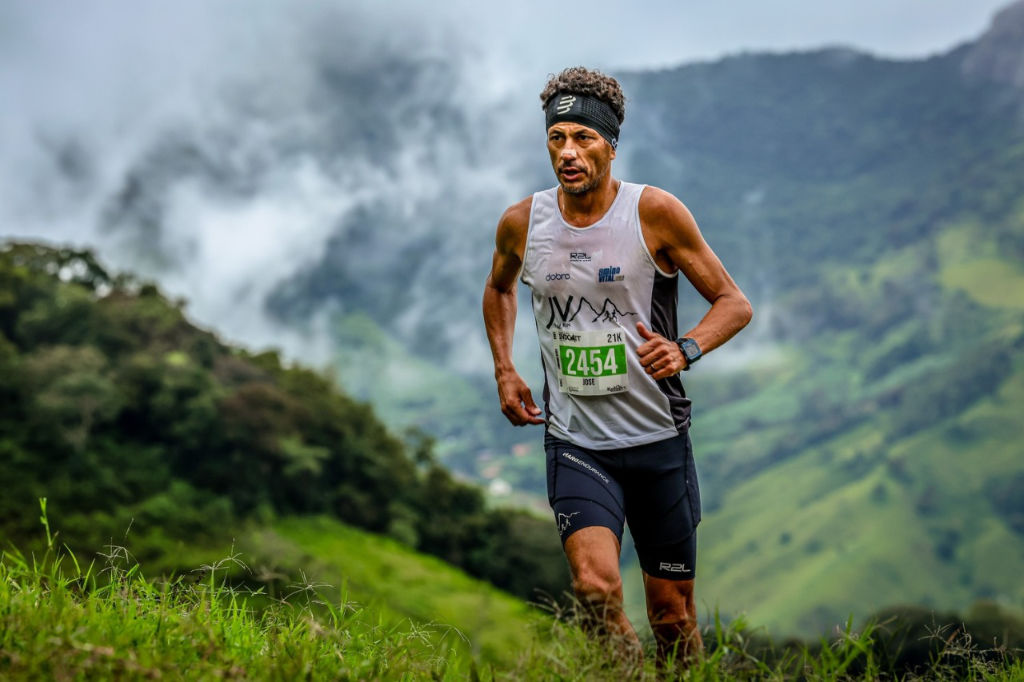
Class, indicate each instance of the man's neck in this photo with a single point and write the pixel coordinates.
(586, 209)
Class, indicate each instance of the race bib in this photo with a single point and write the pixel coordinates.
(591, 362)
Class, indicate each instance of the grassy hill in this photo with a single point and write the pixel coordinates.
(397, 583)
(392, 614)
(308, 560)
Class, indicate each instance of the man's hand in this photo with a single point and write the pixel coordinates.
(660, 357)
(516, 401)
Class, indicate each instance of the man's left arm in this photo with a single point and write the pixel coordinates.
(676, 244)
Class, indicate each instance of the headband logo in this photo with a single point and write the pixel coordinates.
(565, 104)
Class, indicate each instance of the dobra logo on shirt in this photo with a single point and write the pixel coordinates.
(556, 276)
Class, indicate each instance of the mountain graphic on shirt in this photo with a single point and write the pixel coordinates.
(561, 315)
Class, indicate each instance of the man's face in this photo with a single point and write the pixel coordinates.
(580, 157)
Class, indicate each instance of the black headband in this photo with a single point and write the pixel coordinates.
(589, 111)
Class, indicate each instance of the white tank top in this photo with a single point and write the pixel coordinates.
(591, 285)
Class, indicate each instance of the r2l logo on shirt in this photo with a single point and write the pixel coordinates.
(674, 568)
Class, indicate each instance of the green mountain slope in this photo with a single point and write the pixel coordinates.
(853, 470)
(807, 543)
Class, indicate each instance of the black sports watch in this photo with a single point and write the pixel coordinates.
(691, 351)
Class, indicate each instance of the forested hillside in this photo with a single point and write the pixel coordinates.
(126, 416)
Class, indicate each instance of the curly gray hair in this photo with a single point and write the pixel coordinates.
(580, 80)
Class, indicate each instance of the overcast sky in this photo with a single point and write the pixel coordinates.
(605, 33)
(667, 32)
(58, 57)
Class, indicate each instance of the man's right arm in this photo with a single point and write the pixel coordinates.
(499, 308)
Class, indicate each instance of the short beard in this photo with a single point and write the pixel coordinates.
(585, 187)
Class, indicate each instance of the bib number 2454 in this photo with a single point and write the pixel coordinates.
(591, 362)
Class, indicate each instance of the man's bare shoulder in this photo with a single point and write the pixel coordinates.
(514, 223)
(517, 215)
(659, 208)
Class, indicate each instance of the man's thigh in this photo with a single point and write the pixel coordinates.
(581, 491)
(662, 507)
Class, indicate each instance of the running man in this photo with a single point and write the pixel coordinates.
(602, 259)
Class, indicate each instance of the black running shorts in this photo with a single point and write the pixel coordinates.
(651, 487)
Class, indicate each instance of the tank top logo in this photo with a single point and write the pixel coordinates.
(611, 274)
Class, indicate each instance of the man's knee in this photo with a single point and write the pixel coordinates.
(597, 585)
(668, 624)
(670, 603)
(671, 618)
(593, 555)
(672, 613)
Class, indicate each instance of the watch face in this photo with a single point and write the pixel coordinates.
(690, 349)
